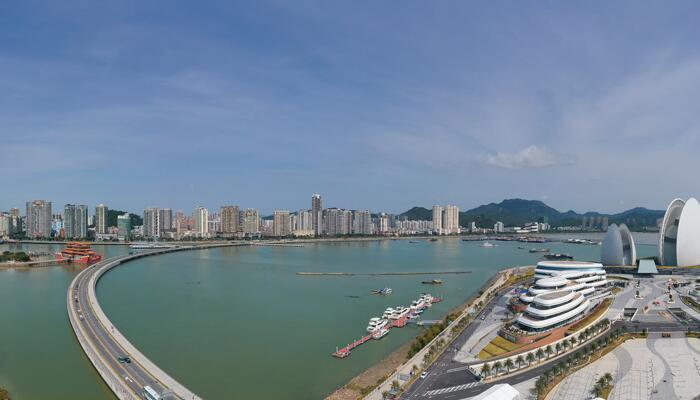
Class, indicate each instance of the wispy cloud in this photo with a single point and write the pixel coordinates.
(529, 157)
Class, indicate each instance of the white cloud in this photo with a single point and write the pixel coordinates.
(529, 157)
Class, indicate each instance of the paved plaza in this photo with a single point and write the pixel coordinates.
(654, 368)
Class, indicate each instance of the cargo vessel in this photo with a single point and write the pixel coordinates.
(79, 253)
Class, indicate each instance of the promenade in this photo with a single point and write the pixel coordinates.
(104, 344)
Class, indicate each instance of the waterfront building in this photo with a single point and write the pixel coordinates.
(230, 219)
(560, 296)
(200, 215)
(408, 227)
(680, 234)
(618, 247)
(450, 220)
(101, 221)
(124, 226)
(38, 219)
(437, 219)
(383, 223)
(5, 224)
(151, 223)
(304, 221)
(317, 214)
(281, 223)
(75, 221)
(337, 221)
(251, 221)
(498, 227)
(362, 223)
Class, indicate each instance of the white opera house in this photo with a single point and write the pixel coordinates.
(679, 238)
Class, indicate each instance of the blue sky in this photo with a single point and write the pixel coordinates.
(379, 105)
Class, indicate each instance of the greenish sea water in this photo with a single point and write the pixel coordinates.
(239, 322)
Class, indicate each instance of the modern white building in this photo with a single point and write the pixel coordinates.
(618, 247)
(680, 234)
(101, 222)
(560, 294)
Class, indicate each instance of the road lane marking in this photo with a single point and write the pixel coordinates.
(451, 389)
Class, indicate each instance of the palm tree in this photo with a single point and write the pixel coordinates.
(608, 377)
(548, 350)
(485, 370)
(539, 354)
(558, 347)
(508, 364)
(497, 367)
(530, 358)
(520, 360)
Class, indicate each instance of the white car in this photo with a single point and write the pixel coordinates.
(423, 375)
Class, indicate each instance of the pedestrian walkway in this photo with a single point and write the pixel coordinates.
(451, 389)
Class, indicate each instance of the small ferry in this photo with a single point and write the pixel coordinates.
(383, 291)
(487, 244)
(380, 333)
(399, 312)
(376, 323)
(78, 252)
(558, 256)
(433, 282)
(389, 311)
(539, 250)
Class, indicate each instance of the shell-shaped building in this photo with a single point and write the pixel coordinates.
(618, 247)
(679, 238)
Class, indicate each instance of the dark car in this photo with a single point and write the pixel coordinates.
(124, 360)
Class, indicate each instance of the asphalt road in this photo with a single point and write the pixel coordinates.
(134, 375)
(451, 380)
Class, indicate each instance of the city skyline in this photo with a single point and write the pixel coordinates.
(167, 108)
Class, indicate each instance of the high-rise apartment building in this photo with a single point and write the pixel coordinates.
(317, 214)
(124, 226)
(75, 221)
(437, 219)
(383, 223)
(230, 219)
(165, 218)
(251, 221)
(281, 223)
(101, 221)
(201, 221)
(38, 219)
(151, 223)
(362, 224)
(450, 220)
(304, 221)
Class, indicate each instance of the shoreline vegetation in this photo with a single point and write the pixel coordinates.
(4, 394)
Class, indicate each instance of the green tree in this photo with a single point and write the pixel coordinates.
(508, 364)
(530, 358)
(485, 370)
(520, 360)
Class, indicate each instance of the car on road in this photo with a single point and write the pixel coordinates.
(483, 317)
(423, 375)
(124, 360)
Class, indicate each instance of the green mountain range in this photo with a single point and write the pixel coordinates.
(514, 212)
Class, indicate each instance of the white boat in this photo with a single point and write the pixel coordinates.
(487, 244)
(376, 324)
(378, 334)
(387, 312)
(400, 312)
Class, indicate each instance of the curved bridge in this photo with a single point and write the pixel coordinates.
(104, 345)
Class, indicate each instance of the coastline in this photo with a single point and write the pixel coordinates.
(365, 382)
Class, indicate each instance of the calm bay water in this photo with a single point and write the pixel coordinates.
(239, 322)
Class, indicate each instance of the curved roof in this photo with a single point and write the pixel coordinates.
(545, 323)
(688, 239)
(564, 265)
(629, 249)
(669, 232)
(611, 250)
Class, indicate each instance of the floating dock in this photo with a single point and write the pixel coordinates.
(396, 323)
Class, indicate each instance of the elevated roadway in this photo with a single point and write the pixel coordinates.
(104, 345)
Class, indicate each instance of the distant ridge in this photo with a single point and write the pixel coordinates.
(520, 211)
